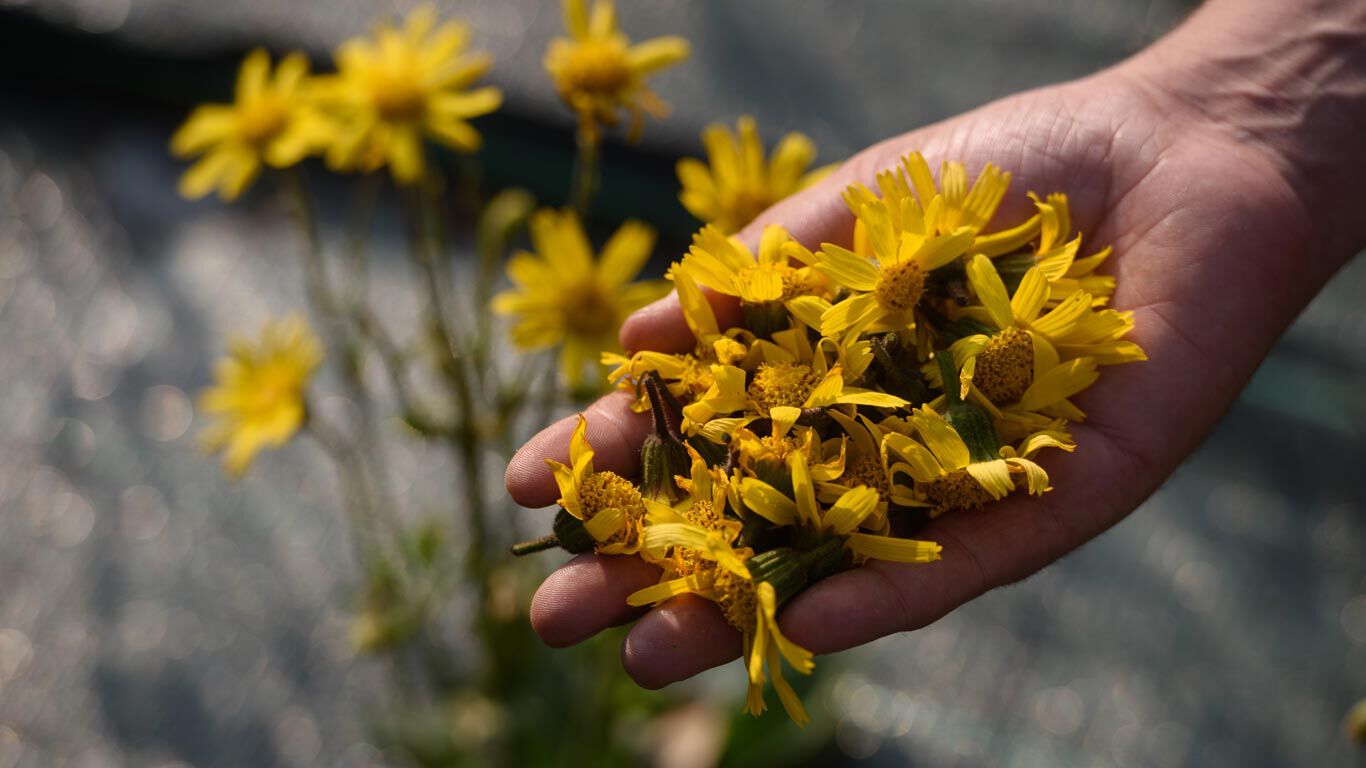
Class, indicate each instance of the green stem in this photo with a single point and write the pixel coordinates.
(584, 185)
(331, 319)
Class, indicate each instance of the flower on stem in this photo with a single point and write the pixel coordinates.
(956, 475)
(567, 297)
(270, 122)
(599, 74)
(1031, 358)
(400, 86)
(257, 400)
(748, 601)
(609, 506)
(737, 183)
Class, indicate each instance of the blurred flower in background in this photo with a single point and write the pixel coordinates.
(599, 74)
(401, 85)
(737, 183)
(257, 400)
(566, 297)
(271, 121)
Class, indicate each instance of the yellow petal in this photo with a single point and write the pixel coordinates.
(991, 292)
(893, 549)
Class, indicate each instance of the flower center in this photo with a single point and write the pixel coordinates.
(899, 285)
(587, 310)
(778, 384)
(597, 67)
(867, 471)
(736, 597)
(703, 513)
(262, 120)
(608, 490)
(958, 490)
(696, 379)
(1005, 368)
(398, 95)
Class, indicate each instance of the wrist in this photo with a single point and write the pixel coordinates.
(1288, 81)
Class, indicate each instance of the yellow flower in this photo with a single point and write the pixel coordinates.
(886, 280)
(609, 505)
(791, 376)
(1056, 255)
(566, 297)
(402, 85)
(953, 478)
(739, 183)
(598, 73)
(270, 122)
(841, 519)
(1033, 358)
(749, 604)
(257, 400)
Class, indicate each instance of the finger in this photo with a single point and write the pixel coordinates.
(680, 638)
(614, 431)
(660, 326)
(983, 548)
(587, 595)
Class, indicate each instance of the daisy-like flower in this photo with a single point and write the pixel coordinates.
(887, 279)
(599, 74)
(706, 496)
(956, 476)
(1055, 254)
(841, 519)
(748, 601)
(270, 122)
(400, 86)
(257, 400)
(868, 464)
(793, 376)
(1032, 357)
(725, 265)
(566, 297)
(737, 183)
(609, 505)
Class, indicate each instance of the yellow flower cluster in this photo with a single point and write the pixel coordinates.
(871, 389)
(391, 91)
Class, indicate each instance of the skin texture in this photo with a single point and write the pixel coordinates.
(1225, 221)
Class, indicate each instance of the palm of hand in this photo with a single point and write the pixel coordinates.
(1201, 260)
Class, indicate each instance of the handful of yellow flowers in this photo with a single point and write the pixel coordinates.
(870, 389)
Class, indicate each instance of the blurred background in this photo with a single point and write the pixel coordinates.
(154, 614)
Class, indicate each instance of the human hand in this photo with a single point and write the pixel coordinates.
(1216, 252)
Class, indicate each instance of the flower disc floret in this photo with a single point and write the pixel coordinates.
(782, 384)
(1005, 368)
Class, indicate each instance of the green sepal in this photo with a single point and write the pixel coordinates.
(971, 422)
(571, 534)
(1012, 269)
(766, 318)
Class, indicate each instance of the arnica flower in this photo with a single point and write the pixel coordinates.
(749, 603)
(887, 283)
(707, 491)
(566, 297)
(1056, 255)
(609, 505)
(793, 377)
(867, 463)
(955, 476)
(842, 519)
(959, 205)
(270, 122)
(257, 400)
(599, 74)
(737, 183)
(403, 85)
(1033, 357)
